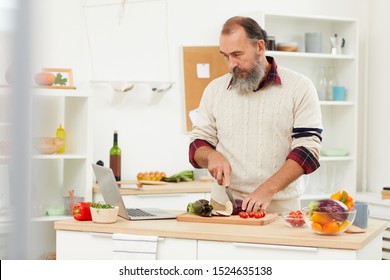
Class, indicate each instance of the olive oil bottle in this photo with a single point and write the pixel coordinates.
(115, 158)
(60, 133)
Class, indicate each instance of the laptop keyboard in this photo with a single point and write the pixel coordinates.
(138, 213)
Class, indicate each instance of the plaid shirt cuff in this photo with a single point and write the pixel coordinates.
(193, 147)
(304, 158)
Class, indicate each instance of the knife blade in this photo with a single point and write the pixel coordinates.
(231, 198)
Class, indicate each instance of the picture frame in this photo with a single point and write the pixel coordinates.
(64, 77)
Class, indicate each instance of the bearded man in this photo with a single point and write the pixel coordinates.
(259, 126)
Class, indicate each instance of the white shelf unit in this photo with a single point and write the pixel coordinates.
(339, 117)
(53, 176)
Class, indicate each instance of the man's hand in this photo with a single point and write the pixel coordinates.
(219, 168)
(259, 199)
(216, 163)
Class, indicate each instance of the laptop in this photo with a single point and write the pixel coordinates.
(111, 194)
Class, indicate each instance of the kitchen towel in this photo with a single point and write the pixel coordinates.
(134, 247)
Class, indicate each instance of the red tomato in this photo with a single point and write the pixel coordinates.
(243, 214)
(295, 218)
(251, 214)
(258, 215)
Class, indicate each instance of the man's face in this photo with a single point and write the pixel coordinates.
(243, 60)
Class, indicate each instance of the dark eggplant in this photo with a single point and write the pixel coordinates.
(237, 209)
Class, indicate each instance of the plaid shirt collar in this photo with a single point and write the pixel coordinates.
(271, 78)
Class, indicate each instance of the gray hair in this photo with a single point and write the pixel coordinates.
(252, 29)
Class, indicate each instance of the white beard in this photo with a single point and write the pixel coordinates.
(252, 81)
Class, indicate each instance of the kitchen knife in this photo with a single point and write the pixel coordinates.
(231, 198)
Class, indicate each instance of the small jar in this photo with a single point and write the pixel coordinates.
(271, 43)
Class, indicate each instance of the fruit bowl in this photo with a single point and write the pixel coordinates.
(293, 218)
(47, 145)
(328, 223)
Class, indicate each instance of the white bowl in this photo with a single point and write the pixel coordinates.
(104, 215)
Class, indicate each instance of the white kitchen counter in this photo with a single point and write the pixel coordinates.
(275, 240)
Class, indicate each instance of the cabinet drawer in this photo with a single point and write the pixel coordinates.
(208, 250)
(73, 245)
(176, 249)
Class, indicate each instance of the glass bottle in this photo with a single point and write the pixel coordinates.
(115, 158)
(322, 83)
(331, 83)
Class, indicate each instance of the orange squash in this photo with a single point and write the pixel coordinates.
(320, 217)
(331, 227)
(44, 78)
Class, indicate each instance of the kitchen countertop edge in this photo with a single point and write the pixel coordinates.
(276, 233)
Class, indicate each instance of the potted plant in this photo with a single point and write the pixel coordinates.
(103, 212)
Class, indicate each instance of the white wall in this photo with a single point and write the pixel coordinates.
(152, 134)
(378, 98)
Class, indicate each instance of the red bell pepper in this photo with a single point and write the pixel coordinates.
(82, 212)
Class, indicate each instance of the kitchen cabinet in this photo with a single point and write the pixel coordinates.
(94, 245)
(340, 118)
(212, 250)
(54, 175)
(379, 209)
(207, 241)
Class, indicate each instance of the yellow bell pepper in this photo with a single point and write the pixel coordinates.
(344, 197)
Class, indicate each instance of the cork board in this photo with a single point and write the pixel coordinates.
(195, 85)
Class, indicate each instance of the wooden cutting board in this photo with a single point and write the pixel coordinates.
(140, 183)
(269, 218)
(150, 182)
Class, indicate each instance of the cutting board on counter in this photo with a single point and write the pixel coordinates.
(236, 220)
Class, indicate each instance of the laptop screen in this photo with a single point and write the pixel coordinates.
(109, 188)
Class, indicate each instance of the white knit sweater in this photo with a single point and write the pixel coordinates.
(253, 131)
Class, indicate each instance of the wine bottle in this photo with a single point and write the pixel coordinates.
(115, 158)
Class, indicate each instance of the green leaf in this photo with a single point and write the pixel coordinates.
(186, 176)
(101, 205)
(59, 80)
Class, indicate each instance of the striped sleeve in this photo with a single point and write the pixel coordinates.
(299, 132)
(304, 158)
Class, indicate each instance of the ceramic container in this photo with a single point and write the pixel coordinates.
(104, 216)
